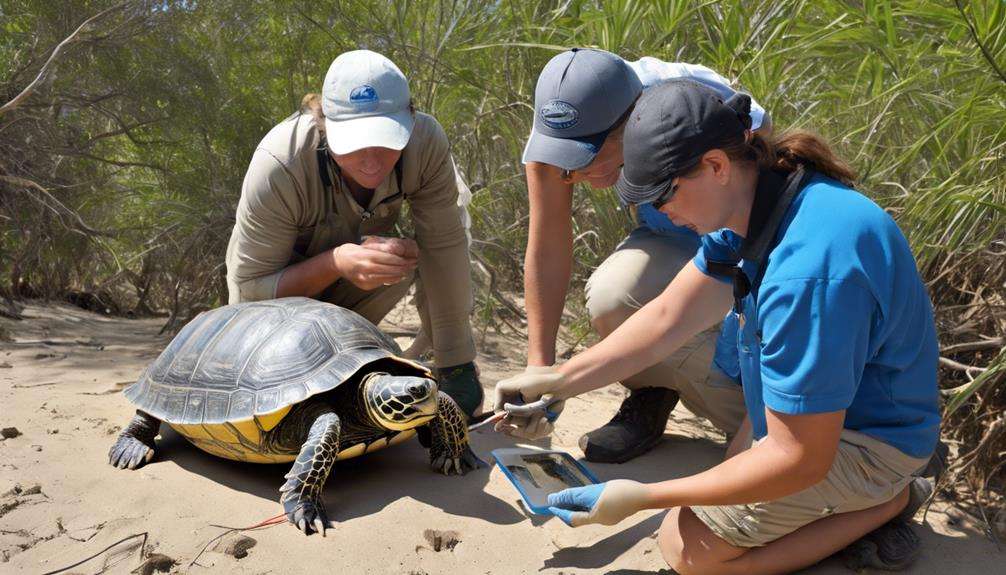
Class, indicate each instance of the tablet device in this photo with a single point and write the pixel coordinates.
(537, 472)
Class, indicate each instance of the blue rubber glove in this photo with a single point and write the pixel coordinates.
(605, 503)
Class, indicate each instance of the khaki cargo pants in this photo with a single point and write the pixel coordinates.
(866, 471)
(640, 269)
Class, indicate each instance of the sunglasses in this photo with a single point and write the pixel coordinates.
(665, 197)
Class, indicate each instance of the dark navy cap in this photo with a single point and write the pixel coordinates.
(581, 94)
(671, 127)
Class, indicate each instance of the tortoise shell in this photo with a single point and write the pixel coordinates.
(233, 373)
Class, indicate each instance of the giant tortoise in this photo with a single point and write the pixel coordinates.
(291, 379)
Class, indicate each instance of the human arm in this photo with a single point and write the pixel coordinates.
(741, 440)
(691, 303)
(265, 229)
(797, 453)
(374, 262)
(442, 242)
(548, 258)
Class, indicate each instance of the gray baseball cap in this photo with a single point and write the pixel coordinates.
(670, 128)
(581, 94)
(365, 99)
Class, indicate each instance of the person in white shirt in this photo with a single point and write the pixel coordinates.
(582, 100)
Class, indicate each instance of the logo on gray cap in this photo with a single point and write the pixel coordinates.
(559, 115)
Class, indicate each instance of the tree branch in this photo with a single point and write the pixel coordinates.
(946, 362)
(993, 343)
(58, 207)
(121, 164)
(74, 37)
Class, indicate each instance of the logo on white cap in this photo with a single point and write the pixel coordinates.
(559, 115)
(363, 97)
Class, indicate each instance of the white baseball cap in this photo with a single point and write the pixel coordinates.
(365, 99)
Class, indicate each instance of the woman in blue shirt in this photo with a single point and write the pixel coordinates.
(836, 344)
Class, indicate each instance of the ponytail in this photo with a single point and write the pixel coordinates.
(789, 151)
(799, 147)
(311, 104)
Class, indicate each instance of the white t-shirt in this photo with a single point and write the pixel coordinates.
(653, 72)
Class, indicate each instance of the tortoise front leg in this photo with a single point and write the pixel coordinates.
(302, 491)
(135, 445)
(450, 453)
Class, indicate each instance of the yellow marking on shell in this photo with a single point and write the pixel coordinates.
(191, 432)
(271, 420)
(249, 429)
(220, 432)
(220, 440)
(360, 448)
(426, 371)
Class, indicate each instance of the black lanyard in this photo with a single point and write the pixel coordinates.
(777, 195)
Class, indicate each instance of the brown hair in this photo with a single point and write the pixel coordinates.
(311, 104)
(790, 150)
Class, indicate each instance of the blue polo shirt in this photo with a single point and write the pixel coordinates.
(841, 320)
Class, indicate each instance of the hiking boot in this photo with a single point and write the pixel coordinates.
(894, 545)
(938, 462)
(461, 382)
(919, 491)
(635, 429)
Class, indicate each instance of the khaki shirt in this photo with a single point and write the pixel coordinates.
(286, 216)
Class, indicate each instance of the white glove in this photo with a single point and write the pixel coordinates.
(534, 384)
(605, 503)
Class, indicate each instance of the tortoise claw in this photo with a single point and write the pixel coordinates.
(307, 515)
(128, 452)
(460, 464)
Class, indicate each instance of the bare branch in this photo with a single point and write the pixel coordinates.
(74, 37)
(120, 163)
(993, 343)
(946, 362)
(57, 206)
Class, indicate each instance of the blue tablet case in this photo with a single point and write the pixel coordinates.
(537, 472)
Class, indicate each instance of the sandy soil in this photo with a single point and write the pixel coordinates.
(61, 502)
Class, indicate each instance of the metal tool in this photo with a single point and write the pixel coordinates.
(486, 419)
(517, 410)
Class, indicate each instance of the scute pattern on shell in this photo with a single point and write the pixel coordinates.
(241, 360)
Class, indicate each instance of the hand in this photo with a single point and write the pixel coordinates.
(375, 262)
(605, 503)
(403, 247)
(535, 383)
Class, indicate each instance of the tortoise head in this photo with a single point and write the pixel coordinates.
(399, 402)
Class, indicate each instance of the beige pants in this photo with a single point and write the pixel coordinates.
(866, 472)
(640, 269)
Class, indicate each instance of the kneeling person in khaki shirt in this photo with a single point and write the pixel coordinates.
(323, 193)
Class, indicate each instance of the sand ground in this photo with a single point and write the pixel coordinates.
(61, 502)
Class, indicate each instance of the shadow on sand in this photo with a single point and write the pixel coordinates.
(363, 485)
